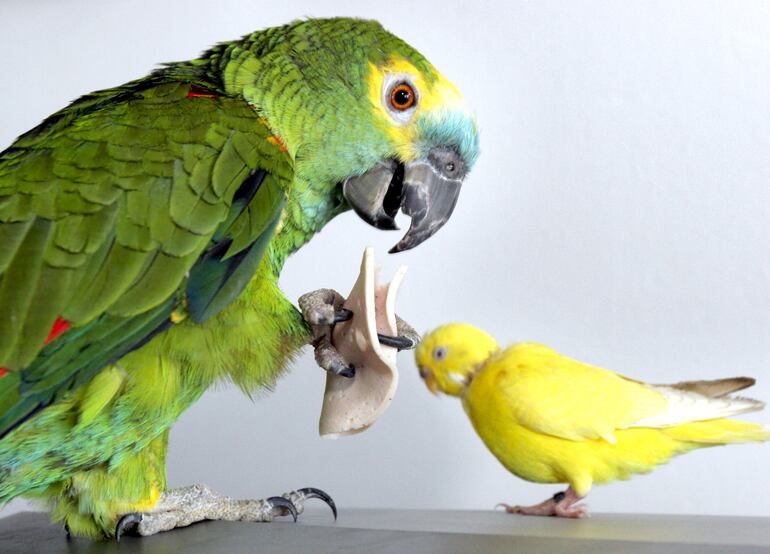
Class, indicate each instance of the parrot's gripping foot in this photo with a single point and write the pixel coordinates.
(322, 309)
(561, 504)
(186, 505)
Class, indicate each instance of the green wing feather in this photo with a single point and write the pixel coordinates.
(225, 269)
(115, 212)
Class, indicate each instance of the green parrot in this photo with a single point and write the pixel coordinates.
(143, 229)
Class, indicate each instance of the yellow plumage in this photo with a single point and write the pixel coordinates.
(551, 419)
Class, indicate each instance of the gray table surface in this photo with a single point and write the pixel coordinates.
(416, 531)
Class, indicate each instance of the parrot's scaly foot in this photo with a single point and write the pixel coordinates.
(545, 508)
(561, 504)
(186, 505)
(322, 309)
(578, 511)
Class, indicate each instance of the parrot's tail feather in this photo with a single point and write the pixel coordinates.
(715, 388)
(719, 431)
(685, 406)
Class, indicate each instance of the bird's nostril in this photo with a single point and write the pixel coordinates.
(447, 162)
(424, 373)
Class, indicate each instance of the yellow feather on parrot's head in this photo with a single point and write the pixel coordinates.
(449, 356)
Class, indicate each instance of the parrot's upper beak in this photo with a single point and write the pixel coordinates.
(425, 189)
(430, 381)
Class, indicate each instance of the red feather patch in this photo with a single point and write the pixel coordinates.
(200, 92)
(59, 327)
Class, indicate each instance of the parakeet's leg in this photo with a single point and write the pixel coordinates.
(322, 309)
(186, 505)
(561, 504)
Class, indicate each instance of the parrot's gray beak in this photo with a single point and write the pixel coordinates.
(426, 190)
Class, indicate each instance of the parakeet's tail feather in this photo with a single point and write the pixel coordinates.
(685, 404)
(719, 431)
(715, 388)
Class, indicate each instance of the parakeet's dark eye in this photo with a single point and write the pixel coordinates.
(439, 353)
(402, 97)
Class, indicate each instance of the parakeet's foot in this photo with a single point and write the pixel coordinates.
(561, 504)
(186, 505)
(322, 309)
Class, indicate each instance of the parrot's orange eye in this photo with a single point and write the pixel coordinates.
(402, 97)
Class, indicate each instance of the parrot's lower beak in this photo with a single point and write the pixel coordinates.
(430, 381)
(426, 190)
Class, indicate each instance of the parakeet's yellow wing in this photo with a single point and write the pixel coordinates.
(552, 394)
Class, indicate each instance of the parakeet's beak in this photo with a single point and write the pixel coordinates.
(430, 381)
(426, 190)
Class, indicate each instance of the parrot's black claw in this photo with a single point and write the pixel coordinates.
(401, 342)
(343, 314)
(67, 530)
(348, 372)
(127, 523)
(312, 492)
(283, 505)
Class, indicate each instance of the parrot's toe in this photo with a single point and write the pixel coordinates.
(561, 504)
(578, 511)
(127, 524)
(329, 358)
(546, 508)
(283, 506)
(323, 307)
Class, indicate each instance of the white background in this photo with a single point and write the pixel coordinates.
(620, 213)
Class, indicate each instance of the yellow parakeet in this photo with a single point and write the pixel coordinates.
(550, 419)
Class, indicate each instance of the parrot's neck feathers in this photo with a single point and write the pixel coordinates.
(469, 376)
